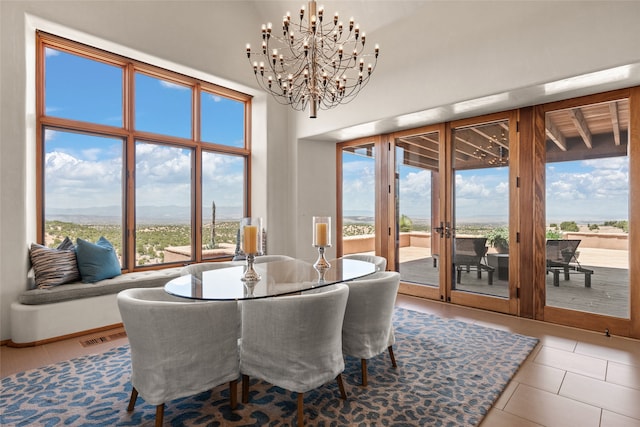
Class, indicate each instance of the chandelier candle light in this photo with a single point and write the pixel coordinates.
(251, 240)
(321, 240)
(317, 62)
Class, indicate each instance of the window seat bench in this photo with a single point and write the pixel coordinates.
(42, 315)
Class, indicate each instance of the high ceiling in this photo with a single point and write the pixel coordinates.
(371, 15)
(375, 15)
(592, 131)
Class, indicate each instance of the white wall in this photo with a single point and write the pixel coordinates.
(189, 37)
(444, 53)
(453, 51)
(455, 59)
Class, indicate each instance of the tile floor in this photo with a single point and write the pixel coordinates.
(572, 378)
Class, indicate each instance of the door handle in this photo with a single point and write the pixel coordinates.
(440, 230)
(448, 230)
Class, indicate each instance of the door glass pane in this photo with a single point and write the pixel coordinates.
(481, 209)
(84, 89)
(163, 204)
(587, 208)
(83, 190)
(222, 120)
(358, 199)
(162, 106)
(417, 180)
(223, 196)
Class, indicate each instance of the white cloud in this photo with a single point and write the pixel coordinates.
(74, 182)
(49, 52)
(589, 190)
(358, 191)
(170, 85)
(93, 177)
(216, 98)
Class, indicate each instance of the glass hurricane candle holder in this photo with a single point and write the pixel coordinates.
(321, 240)
(251, 245)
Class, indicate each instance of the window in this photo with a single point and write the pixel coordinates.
(153, 160)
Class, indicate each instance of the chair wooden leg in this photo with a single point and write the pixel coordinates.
(132, 400)
(343, 394)
(300, 410)
(159, 415)
(233, 393)
(393, 357)
(363, 368)
(245, 388)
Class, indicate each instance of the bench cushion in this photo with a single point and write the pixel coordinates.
(77, 290)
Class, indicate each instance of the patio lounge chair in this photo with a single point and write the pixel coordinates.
(470, 252)
(561, 257)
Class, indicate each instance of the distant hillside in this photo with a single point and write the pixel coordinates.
(180, 215)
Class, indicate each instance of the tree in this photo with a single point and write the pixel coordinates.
(569, 226)
(499, 239)
(405, 223)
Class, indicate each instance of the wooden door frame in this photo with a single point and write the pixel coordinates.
(504, 305)
(596, 322)
(527, 169)
(413, 289)
(379, 221)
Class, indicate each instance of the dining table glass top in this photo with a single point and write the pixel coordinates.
(277, 278)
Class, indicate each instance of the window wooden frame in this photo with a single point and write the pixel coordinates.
(130, 136)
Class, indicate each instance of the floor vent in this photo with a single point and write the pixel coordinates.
(100, 340)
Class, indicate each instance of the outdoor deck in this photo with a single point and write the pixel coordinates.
(608, 294)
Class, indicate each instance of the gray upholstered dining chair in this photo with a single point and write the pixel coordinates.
(294, 342)
(380, 262)
(270, 258)
(178, 347)
(198, 268)
(368, 320)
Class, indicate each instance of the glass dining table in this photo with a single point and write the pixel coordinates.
(278, 278)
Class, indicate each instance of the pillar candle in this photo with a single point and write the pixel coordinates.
(250, 239)
(321, 234)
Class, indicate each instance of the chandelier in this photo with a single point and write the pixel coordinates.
(314, 62)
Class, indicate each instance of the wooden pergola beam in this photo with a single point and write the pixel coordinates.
(581, 125)
(615, 122)
(490, 138)
(555, 135)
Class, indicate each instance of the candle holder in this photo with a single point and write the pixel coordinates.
(321, 272)
(321, 263)
(250, 245)
(249, 286)
(250, 275)
(322, 240)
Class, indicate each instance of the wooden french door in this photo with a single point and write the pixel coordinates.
(453, 207)
(441, 201)
(416, 209)
(587, 233)
(482, 159)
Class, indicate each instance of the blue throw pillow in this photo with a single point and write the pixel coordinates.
(97, 261)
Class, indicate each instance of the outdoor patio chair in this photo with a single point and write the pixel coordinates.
(561, 257)
(469, 254)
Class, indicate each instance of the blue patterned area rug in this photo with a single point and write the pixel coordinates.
(449, 374)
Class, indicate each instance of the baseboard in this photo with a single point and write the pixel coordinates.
(10, 343)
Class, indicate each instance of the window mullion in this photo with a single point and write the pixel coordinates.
(130, 158)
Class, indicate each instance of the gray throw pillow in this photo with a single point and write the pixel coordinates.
(54, 266)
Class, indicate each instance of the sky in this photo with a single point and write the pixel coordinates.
(585, 191)
(86, 171)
